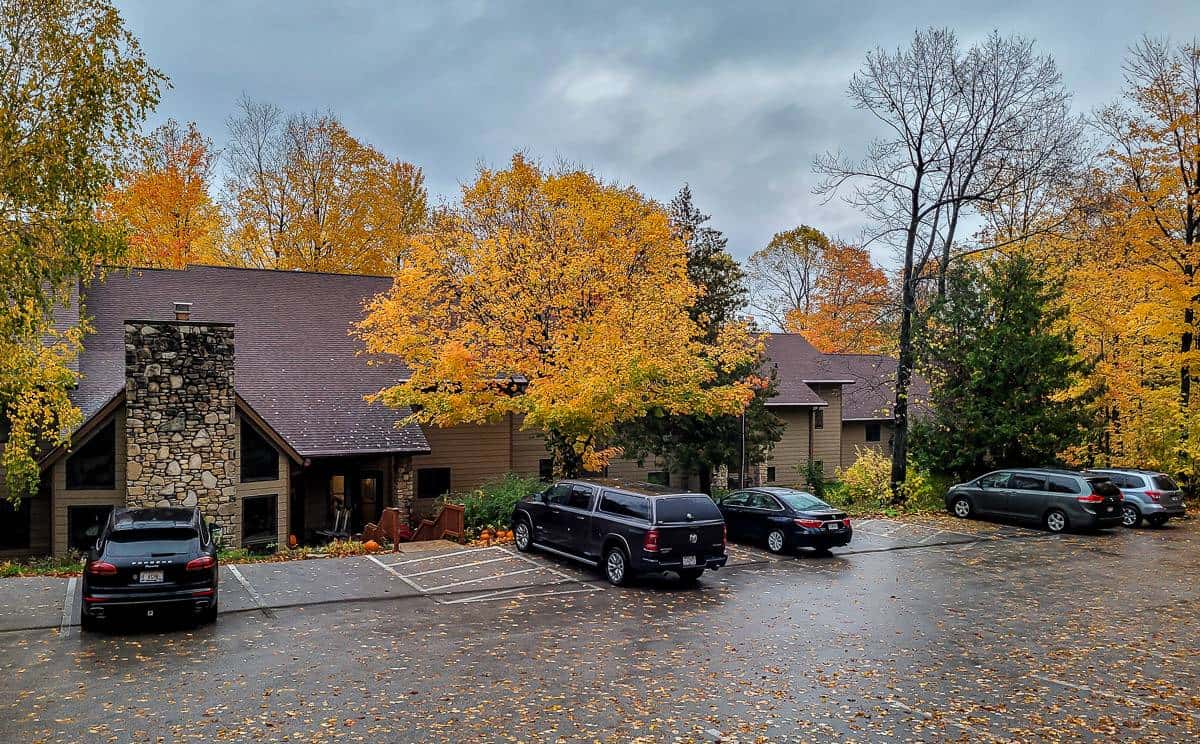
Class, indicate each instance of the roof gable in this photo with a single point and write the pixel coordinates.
(297, 366)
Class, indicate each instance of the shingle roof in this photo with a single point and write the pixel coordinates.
(796, 364)
(868, 380)
(296, 364)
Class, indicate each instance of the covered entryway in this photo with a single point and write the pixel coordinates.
(362, 485)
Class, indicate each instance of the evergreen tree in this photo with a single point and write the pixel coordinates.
(1005, 382)
(703, 443)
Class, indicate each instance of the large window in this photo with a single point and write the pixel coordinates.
(260, 520)
(545, 468)
(433, 482)
(659, 478)
(14, 525)
(818, 418)
(625, 505)
(94, 464)
(873, 432)
(260, 461)
(84, 524)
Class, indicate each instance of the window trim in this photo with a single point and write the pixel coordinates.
(274, 513)
(242, 454)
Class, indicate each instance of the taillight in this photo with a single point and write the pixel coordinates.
(102, 568)
(846, 521)
(809, 523)
(650, 543)
(202, 563)
(1154, 495)
(1090, 498)
(724, 536)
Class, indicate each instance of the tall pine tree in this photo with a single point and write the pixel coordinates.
(1006, 385)
(703, 443)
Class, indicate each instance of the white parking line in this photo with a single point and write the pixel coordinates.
(254, 595)
(549, 568)
(436, 555)
(456, 566)
(68, 613)
(482, 578)
(1113, 696)
(586, 589)
(397, 574)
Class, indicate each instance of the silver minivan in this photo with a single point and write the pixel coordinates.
(1148, 495)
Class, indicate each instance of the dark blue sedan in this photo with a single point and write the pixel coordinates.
(784, 519)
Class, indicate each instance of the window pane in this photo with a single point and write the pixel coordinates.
(1061, 484)
(260, 520)
(1026, 483)
(801, 500)
(580, 498)
(260, 461)
(14, 525)
(686, 509)
(737, 498)
(771, 474)
(84, 524)
(433, 482)
(94, 464)
(659, 477)
(561, 494)
(1164, 483)
(873, 432)
(993, 480)
(157, 541)
(625, 505)
(545, 468)
(818, 418)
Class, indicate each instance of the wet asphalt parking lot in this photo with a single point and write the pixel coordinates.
(940, 631)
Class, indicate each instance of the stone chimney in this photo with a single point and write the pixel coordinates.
(180, 425)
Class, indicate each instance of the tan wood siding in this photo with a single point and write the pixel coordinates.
(64, 499)
(791, 451)
(854, 437)
(529, 449)
(475, 454)
(827, 441)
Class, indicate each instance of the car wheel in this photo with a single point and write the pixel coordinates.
(961, 507)
(1056, 520)
(1157, 520)
(616, 566)
(1130, 515)
(776, 541)
(690, 576)
(523, 536)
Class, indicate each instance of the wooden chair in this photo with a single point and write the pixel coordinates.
(340, 529)
(390, 528)
(447, 525)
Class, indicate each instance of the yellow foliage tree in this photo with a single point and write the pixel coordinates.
(74, 90)
(307, 195)
(163, 200)
(558, 298)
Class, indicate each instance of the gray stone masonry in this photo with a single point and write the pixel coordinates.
(180, 424)
(403, 491)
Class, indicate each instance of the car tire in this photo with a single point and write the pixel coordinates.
(209, 616)
(1157, 520)
(689, 576)
(776, 541)
(616, 566)
(523, 535)
(1131, 516)
(961, 508)
(1056, 521)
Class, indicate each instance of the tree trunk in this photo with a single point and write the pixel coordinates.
(706, 479)
(904, 361)
(567, 462)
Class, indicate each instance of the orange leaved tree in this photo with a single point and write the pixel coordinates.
(850, 307)
(163, 200)
(556, 297)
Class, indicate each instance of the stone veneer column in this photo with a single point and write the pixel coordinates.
(403, 492)
(180, 425)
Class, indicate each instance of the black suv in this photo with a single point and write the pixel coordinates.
(147, 559)
(627, 528)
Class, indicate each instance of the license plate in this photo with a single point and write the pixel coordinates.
(689, 560)
(1108, 508)
(833, 526)
(150, 577)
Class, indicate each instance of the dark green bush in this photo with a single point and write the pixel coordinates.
(491, 504)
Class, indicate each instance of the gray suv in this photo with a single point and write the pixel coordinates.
(1056, 499)
(1148, 495)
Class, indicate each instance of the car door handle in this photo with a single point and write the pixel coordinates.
(580, 517)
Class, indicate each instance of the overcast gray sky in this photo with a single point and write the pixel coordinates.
(733, 98)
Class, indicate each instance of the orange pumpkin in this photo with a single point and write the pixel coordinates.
(371, 546)
(292, 541)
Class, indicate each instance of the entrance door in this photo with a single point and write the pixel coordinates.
(370, 501)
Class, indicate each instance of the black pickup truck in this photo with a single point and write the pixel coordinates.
(626, 528)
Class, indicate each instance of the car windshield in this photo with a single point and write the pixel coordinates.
(800, 500)
(152, 541)
(1164, 483)
(686, 509)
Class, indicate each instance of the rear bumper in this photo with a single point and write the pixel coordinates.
(649, 564)
(815, 538)
(1089, 520)
(198, 598)
(1173, 510)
